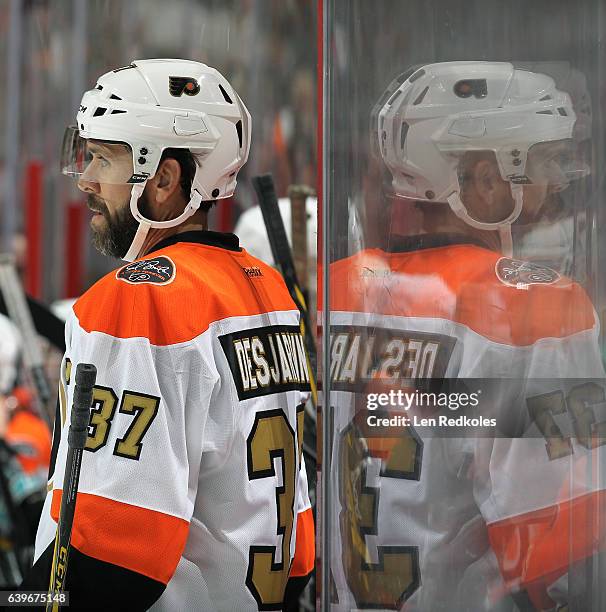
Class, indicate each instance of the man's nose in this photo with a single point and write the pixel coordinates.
(88, 186)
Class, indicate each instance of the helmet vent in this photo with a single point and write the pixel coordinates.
(124, 68)
(417, 75)
(226, 97)
(547, 97)
(117, 112)
(411, 71)
(115, 97)
(394, 97)
(384, 97)
(99, 87)
(99, 111)
(545, 112)
(403, 134)
(421, 96)
(562, 112)
(239, 131)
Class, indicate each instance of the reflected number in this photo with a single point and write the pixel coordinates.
(395, 575)
(578, 405)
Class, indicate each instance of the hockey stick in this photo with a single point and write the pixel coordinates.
(268, 201)
(46, 323)
(278, 241)
(298, 195)
(76, 439)
(20, 315)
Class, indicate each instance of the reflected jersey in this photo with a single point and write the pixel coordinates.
(193, 491)
(429, 521)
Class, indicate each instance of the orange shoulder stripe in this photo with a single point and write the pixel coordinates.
(304, 558)
(535, 548)
(459, 284)
(141, 540)
(210, 284)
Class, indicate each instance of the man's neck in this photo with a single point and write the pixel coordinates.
(451, 224)
(157, 235)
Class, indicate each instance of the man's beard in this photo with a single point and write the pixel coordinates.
(116, 237)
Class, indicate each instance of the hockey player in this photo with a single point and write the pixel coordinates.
(193, 491)
(427, 520)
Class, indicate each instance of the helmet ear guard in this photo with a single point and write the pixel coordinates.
(426, 120)
(503, 227)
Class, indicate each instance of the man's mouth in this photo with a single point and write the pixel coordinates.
(98, 213)
(95, 208)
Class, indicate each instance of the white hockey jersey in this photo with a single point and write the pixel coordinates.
(193, 491)
(426, 520)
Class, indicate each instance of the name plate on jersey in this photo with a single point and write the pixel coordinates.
(266, 360)
(360, 355)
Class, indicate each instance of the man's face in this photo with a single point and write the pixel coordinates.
(548, 167)
(113, 226)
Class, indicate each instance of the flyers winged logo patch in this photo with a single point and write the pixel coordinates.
(183, 85)
(159, 270)
(518, 273)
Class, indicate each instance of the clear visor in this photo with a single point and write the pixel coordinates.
(96, 161)
(556, 163)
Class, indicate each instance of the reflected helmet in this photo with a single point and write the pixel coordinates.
(153, 105)
(430, 116)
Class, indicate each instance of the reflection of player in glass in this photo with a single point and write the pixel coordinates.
(460, 524)
(493, 143)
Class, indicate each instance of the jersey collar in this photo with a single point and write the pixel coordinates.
(403, 244)
(226, 241)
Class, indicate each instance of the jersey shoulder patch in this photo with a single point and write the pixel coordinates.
(160, 270)
(204, 285)
(518, 273)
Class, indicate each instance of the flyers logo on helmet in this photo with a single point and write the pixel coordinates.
(471, 87)
(183, 85)
(159, 270)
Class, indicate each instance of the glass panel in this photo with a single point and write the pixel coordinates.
(465, 421)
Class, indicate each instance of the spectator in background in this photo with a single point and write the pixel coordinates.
(25, 447)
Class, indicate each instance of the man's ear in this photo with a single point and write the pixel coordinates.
(166, 181)
(485, 176)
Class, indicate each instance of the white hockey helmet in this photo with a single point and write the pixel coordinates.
(430, 116)
(153, 105)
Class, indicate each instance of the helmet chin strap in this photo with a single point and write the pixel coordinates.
(146, 224)
(503, 227)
